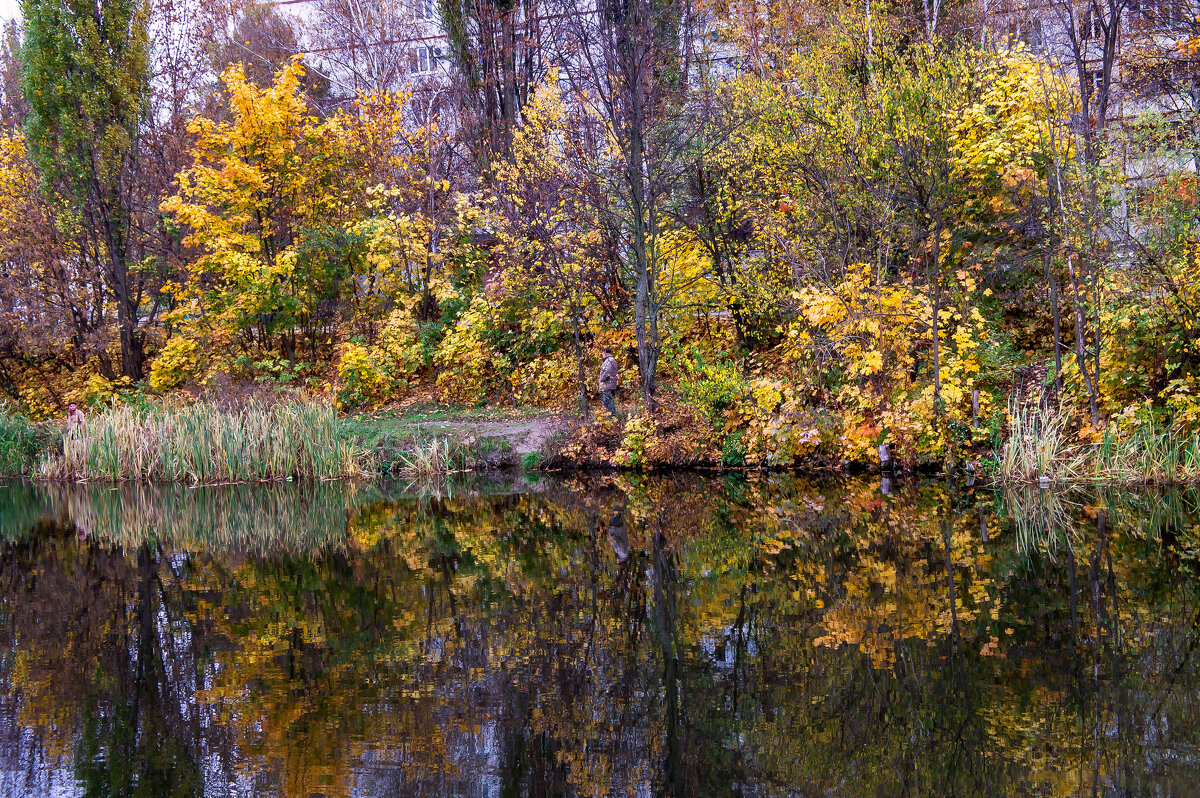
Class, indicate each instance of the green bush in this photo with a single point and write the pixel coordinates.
(733, 450)
(713, 388)
(20, 442)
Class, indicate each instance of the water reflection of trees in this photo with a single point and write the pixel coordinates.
(671, 635)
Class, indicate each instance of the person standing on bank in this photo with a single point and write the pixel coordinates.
(609, 377)
(74, 418)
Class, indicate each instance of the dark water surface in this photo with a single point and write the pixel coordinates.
(677, 635)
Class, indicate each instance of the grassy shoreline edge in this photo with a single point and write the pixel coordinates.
(206, 444)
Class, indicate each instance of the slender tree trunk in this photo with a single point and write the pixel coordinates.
(508, 79)
(131, 345)
(1096, 329)
(1056, 316)
(936, 279)
(583, 403)
(644, 311)
(1080, 354)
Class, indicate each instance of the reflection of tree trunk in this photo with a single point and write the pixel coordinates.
(145, 644)
(1097, 613)
(512, 726)
(1073, 603)
(950, 584)
(295, 654)
(664, 600)
(430, 589)
(629, 608)
(446, 583)
(1127, 736)
(136, 738)
(739, 645)
(1076, 669)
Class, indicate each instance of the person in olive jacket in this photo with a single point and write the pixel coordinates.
(75, 420)
(609, 378)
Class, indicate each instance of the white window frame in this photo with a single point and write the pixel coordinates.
(425, 59)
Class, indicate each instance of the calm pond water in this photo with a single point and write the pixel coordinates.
(607, 635)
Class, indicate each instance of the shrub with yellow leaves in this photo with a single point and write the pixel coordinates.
(712, 388)
(774, 426)
(546, 382)
(869, 341)
(177, 363)
(468, 369)
(369, 374)
(640, 432)
(361, 379)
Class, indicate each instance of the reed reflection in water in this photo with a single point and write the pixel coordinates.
(675, 635)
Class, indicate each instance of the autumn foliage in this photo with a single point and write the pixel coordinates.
(868, 232)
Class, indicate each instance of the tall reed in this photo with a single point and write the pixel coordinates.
(432, 456)
(203, 444)
(1151, 452)
(1039, 445)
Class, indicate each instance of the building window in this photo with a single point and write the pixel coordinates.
(1179, 136)
(1134, 199)
(425, 59)
(1176, 13)
(425, 9)
(1030, 32)
(1161, 13)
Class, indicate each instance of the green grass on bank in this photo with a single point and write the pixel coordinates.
(263, 441)
(372, 429)
(295, 439)
(416, 449)
(427, 439)
(427, 412)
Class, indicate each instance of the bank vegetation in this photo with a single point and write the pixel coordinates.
(804, 234)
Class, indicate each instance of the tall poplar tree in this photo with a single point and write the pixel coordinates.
(86, 79)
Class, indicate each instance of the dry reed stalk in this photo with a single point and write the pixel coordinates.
(202, 444)
(1039, 445)
(429, 458)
